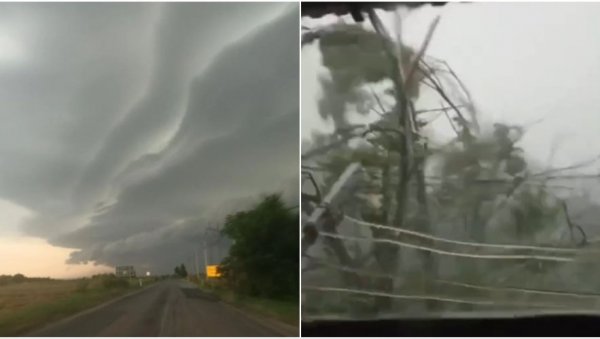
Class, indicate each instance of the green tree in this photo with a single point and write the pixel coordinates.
(183, 271)
(19, 278)
(263, 260)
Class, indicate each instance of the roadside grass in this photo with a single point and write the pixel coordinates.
(286, 311)
(32, 304)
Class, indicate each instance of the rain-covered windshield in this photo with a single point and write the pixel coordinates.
(450, 160)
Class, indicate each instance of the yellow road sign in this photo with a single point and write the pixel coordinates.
(212, 271)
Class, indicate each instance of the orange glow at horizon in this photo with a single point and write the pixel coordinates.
(34, 257)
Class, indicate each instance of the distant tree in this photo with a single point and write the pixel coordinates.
(177, 271)
(19, 278)
(182, 271)
(263, 260)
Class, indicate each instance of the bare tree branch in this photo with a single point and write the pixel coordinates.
(436, 109)
(571, 167)
(383, 110)
(442, 93)
(450, 121)
(419, 54)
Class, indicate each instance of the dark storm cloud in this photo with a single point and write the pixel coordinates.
(186, 36)
(164, 119)
(60, 101)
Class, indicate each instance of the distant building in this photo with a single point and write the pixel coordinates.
(125, 272)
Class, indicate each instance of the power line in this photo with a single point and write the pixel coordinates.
(462, 284)
(464, 243)
(450, 253)
(428, 297)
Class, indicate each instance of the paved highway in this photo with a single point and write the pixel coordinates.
(169, 308)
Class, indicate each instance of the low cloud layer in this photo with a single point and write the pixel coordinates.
(130, 128)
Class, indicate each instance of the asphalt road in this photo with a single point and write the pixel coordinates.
(170, 308)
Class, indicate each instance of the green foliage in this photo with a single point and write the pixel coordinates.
(110, 281)
(82, 285)
(356, 57)
(18, 278)
(38, 314)
(263, 260)
(355, 52)
(479, 171)
(181, 271)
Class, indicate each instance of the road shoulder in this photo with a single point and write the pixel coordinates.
(39, 332)
(274, 325)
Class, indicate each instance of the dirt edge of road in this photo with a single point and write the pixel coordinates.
(273, 324)
(34, 333)
(285, 330)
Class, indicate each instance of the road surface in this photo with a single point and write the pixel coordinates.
(169, 308)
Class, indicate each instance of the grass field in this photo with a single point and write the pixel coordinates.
(284, 311)
(29, 305)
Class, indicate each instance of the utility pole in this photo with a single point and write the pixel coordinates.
(206, 245)
(205, 255)
(196, 262)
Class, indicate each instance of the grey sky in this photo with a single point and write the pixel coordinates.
(128, 128)
(521, 62)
